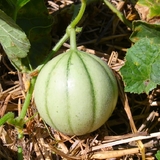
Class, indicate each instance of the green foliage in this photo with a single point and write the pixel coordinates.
(141, 69)
(33, 18)
(157, 155)
(11, 7)
(142, 29)
(152, 7)
(17, 4)
(13, 40)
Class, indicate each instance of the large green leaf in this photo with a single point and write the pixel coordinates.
(34, 19)
(11, 7)
(13, 40)
(141, 72)
(142, 29)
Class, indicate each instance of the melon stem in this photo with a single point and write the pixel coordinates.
(73, 42)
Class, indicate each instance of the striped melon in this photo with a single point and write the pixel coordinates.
(76, 92)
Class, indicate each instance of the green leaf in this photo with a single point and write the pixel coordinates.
(14, 41)
(21, 3)
(149, 8)
(158, 155)
(142, 29)
(34, 19)
(7, 8)
(17, 4)
(11, 7)
(141, 70)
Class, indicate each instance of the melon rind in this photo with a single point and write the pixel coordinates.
(76, 93)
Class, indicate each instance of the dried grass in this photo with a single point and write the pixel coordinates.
(132, 131)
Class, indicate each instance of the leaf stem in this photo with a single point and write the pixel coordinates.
(8, 116)
(20, 155)
(27, 99)
(118, 13)
(22, 115)
(80, 14)
(15, 14)
(54, 50)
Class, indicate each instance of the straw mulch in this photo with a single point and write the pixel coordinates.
(132, 132)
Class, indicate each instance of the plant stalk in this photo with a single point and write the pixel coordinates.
(28, 98)
(73, 43)
(20, 155)
(80, 14)
(54, 50)
(66, 35)
(15, 14)
(22, 115)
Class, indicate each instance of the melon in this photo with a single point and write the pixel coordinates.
(76, 92)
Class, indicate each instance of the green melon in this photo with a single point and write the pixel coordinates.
(75, 93)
